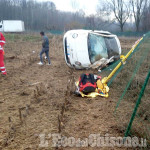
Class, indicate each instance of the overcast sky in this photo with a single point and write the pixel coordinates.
(89, 6)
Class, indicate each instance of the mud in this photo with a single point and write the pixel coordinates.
(39, 99)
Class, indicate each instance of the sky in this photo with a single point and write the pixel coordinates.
(88, 6)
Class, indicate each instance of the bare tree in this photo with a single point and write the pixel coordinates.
(145, 22)
(44, 16)
(121, 11)
(90, 22)
(103, 9)
(138, 7)
(75, 5)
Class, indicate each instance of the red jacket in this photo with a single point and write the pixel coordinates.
(2, 41)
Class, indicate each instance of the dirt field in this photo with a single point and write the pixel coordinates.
(37, 99)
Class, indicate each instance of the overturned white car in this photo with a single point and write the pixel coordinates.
(87, 48)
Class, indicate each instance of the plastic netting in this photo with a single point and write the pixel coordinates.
(130, 86)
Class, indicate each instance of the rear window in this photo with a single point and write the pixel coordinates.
(96, 47)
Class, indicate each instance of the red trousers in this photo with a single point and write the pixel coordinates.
(2, 67)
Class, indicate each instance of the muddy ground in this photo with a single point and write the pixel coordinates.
(38, 100)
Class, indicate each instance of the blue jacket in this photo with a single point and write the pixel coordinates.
(45, 43)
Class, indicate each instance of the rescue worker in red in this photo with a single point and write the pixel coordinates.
(2, 42)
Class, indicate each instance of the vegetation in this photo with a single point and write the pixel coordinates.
(112, 15)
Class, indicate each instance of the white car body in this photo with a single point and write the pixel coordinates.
(76, 47)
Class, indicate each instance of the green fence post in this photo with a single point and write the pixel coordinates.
(137, 104)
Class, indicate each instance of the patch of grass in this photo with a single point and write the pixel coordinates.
(32, 38)
(12, 36)
(35, 37)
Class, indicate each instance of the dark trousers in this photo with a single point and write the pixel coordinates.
(46, 51)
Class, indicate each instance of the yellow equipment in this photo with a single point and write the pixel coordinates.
(102, 88)
(97, 92)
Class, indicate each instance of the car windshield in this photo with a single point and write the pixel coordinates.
(96, 47)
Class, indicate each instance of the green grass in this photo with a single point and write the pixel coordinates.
(22, 37)
(14, 37)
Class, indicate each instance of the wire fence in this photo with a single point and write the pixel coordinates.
(132, 85)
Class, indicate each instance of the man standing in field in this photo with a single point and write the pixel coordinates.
(45, 48)
(2, 42)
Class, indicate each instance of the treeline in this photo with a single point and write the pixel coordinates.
(44, 16)
(133, 12)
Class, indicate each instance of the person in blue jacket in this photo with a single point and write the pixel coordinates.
(45, 48)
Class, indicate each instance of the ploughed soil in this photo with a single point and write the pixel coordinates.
(37, 100)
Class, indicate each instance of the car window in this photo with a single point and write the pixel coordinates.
(96, 47)
(112, 46)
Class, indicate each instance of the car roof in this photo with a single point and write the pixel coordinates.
(102, 32)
